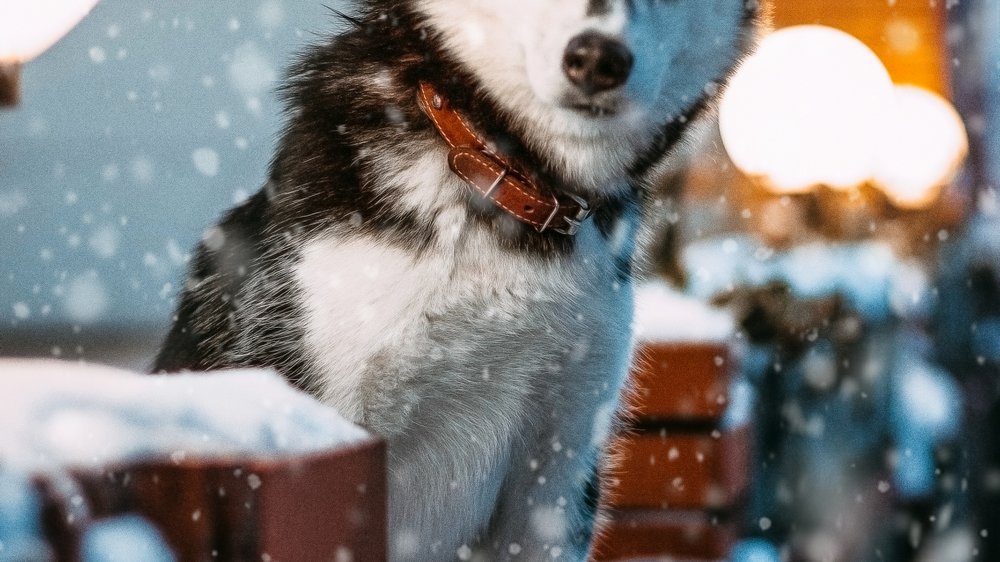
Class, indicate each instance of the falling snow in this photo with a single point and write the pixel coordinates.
(105, 240)
(11, 203)
(206, 161)
(97, 55)
(85, 298)
(251, 71)
(21, 311)
(868, 368)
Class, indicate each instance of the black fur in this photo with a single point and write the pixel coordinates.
(318, 182)
(240, 306)
(592, 502)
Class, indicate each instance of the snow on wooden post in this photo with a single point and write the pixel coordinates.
(229, 466)
(682, 471)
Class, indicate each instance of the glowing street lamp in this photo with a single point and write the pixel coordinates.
(815, 106)
(923, 146)
(807, 110)
(27, 29)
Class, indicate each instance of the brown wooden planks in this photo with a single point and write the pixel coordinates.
(678, 477)
(308, 508)
(659, 535)
(681, 470)
(688, 381)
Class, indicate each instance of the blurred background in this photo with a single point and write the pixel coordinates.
(843, 212)
(133, 134)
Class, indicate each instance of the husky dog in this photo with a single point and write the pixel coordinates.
(444, 248)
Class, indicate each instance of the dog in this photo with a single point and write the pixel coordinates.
(444, 249)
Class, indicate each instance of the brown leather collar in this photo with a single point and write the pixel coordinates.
(495, 179)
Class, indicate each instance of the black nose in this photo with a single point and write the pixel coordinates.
(595, 63)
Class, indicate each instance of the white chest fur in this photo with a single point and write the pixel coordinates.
(493, 375)
(485, 370)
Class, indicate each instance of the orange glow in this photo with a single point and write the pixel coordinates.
(908, 36)
(815, 107)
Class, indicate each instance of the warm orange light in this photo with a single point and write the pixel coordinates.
(807, 110)
(29, 27)
(923, 145)
(814, 106)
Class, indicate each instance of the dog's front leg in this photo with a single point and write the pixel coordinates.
(546, 510)
(440, 498)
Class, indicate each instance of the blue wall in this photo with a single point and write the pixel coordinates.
(135, 133)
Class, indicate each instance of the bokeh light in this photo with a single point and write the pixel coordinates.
(29, 27)
(923, 145)
(806, 110)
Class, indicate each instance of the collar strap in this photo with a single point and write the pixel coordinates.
(494, 179)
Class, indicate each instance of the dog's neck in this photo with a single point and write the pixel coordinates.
(365, 115)
(494, 177)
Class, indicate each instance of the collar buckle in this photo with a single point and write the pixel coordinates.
(572, 223)
(510, 188)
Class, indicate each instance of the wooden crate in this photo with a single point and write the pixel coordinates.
(310, 508)
(660, 535)
(672, 470)
(679, 477)
(681, 381)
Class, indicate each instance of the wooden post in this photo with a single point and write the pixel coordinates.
(681, 474)
(10, 84)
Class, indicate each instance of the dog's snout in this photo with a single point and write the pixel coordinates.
(595, 62)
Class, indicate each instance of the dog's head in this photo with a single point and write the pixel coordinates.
(582, 67)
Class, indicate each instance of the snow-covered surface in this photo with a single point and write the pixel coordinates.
(125, 539)
(868, 275)
(59, 414)
(755, 550)
(925, 410)
(20, 521)
(742, 402)
(663, 314)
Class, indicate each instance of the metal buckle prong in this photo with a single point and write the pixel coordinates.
(555, 211)
(496, 183)
(573, 224)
